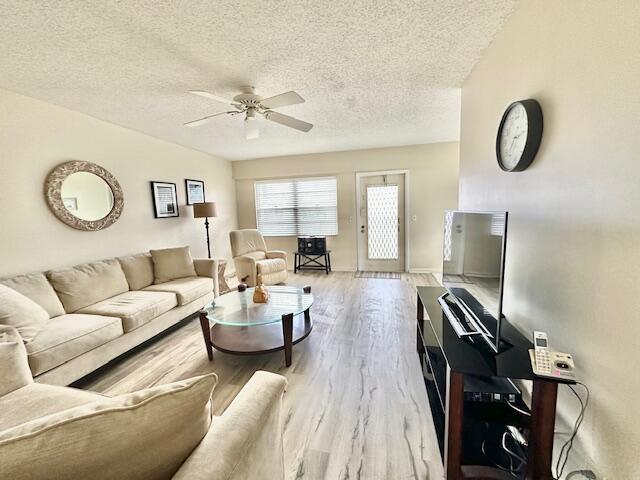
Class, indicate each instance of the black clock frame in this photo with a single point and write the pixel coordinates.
(534, 134)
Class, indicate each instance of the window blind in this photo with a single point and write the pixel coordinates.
(497, 224)
(297, 207)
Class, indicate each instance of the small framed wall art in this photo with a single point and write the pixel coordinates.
(195, 191)
(165, 199)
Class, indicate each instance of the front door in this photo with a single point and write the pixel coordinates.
(381, 223)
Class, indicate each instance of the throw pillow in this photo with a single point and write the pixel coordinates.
(18, 311)
(172, 263)
(138, 269)
(36, 287)
(145, 434)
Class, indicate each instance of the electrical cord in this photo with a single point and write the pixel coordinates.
(563, 457)
(519, 410)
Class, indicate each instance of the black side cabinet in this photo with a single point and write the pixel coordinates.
(466, 429)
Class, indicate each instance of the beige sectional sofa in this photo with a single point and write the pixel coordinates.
(79, 318)
(166, 431)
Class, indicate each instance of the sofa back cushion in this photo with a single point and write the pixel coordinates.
(14, 368)
(146, 434)
(86, 284)
(138, 269)
(36, 287)
(18, 311)
(172, 263)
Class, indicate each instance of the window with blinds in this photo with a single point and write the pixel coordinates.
(297, 207)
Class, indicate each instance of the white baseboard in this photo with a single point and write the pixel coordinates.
(424, 270)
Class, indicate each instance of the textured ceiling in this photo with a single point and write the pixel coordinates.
(373, 73)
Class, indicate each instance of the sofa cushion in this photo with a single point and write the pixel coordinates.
(172, 263)
(36, 287)
(38, 400)
(142, 435)
(271, 265)
(89, 283)
(18, 311)
(69, 336)
(134, 308)
(14, 368)
(138, 269)
(186, 289)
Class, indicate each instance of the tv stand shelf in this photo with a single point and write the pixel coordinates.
(463, 427)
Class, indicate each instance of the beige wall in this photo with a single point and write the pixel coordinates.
(573, 261)
(36, 136)
(433, 189)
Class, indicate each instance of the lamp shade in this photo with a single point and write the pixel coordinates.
(204, 209)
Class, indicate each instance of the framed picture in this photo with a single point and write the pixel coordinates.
(165, 199)
(195, 191)
(70, 203)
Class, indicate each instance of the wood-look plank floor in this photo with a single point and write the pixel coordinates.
(355, 407)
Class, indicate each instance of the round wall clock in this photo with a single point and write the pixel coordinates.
(519, 135)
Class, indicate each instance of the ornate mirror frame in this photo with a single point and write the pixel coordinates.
(53, 195)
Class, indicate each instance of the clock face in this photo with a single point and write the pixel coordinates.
(515, 130)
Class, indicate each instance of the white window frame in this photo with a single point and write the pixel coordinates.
(296, 179)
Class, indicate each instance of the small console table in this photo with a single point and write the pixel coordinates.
(312, 261)
(447, 363)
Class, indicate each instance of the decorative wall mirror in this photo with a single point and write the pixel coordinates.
(84, 195)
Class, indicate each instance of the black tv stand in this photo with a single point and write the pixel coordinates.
(466, 426)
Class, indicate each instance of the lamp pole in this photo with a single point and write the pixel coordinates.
(206, 225)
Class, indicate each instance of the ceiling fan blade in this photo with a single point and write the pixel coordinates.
(211, 96)
(203, 120)
(251, 129)
(288, 121)
(282, 100)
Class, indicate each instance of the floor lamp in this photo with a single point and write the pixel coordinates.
(205, 210)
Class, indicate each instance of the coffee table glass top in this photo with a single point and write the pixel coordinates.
(238, 309)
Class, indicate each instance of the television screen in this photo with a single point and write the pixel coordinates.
(473, 267)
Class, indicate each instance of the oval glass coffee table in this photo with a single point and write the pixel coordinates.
(234, 324)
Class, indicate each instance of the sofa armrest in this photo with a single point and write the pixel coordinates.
(14, 366)
(208, 267)
(246, 441)
(277, 254)
(246, 269)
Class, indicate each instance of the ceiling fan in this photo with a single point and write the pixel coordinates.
(253, 106)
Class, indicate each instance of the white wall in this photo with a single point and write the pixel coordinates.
(573, 261)
(36, 136)
(433, 189)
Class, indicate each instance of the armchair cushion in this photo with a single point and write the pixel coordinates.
(245, 241)
(18, 311)
(186, 289)
(36, 287)
(172, 263)
(145, 434)
(271, 265)
(138, 269)
(14, 368)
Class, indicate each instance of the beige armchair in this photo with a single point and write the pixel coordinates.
(252, 258)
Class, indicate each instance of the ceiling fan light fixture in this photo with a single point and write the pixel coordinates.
(251, 130)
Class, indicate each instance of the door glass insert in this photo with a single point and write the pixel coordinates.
(382, 221)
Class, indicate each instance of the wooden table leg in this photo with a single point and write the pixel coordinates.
(287, 333)
(543, 417)
(206, 332)
(453, 425)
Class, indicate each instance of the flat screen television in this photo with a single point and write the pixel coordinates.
(473, 273)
